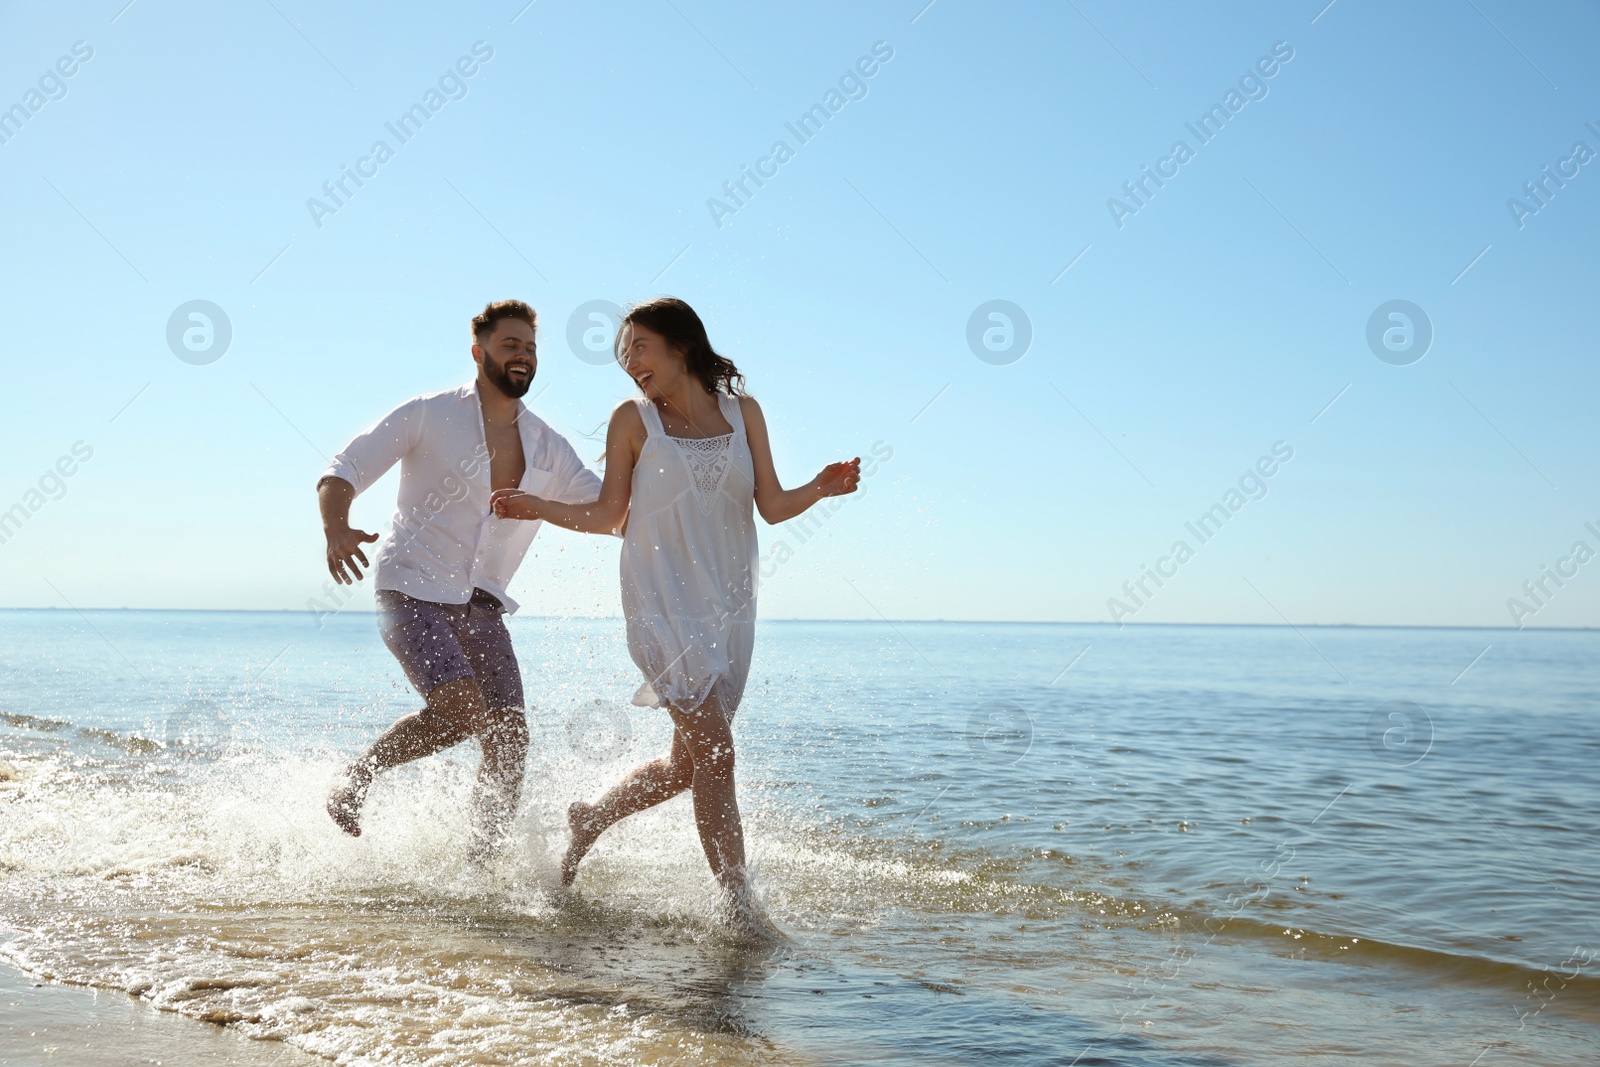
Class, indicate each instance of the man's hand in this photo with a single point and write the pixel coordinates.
(344, 551)
(514, 504)
(334, 495)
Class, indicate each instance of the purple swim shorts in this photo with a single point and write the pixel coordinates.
(439, 643)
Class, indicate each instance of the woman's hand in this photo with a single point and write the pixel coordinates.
(514, 504)
(837, 479)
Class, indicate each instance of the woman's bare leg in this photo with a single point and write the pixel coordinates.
(645, 786)
(708, 735)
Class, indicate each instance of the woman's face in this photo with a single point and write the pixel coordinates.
(652, 363)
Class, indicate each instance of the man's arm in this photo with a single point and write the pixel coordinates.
(363, 461)
(603, 513)
(582, 485)
(334, 495)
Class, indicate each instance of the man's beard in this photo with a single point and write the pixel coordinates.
(508, 385)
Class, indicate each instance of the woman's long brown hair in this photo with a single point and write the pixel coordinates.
(682, 329)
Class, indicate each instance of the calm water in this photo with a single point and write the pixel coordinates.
(1198, 845)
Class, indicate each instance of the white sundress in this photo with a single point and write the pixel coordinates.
(689, 560)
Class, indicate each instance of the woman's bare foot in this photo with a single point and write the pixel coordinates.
(344, 805)
(585, 831)
(744, 915)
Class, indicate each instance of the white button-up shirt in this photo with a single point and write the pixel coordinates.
(444, 542)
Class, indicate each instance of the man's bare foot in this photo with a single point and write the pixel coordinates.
(581, 820)
(344, 806)
(481, 852)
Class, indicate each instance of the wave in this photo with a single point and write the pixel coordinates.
(211, 883)
(248, 821)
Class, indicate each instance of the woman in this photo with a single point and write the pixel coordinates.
(685, 460)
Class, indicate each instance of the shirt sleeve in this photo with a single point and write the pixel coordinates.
(577, 483)
(373, 451)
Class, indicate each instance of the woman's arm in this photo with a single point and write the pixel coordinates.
(775, 503)
(606, 514)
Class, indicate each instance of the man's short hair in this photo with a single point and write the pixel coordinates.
(483, 323)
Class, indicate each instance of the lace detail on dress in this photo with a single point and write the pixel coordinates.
(708, 462)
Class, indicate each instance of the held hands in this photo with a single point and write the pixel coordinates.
(837, 479)
(514, 504)
(344, 550)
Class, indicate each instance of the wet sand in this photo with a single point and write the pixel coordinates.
(45, 1022)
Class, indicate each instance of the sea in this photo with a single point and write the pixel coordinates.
(990, 843)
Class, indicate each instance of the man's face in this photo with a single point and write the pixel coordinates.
(509, 357)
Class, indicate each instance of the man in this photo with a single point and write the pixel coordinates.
(443, 572)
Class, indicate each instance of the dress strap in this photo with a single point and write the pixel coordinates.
(652, 417)
(732, 411)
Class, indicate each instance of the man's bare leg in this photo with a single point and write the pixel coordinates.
(499, 785)
(454, 712)
(645, 786)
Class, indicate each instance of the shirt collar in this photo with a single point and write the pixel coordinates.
(530, 425)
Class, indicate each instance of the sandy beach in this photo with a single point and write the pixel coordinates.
(50, 1023)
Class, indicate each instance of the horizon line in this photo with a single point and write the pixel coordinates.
(956, 622)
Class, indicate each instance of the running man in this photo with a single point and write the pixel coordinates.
(442, 573)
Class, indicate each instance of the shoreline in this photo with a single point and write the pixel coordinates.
(1099, 623)
(43, 1021)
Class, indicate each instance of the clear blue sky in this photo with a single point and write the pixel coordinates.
(1220, 318)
